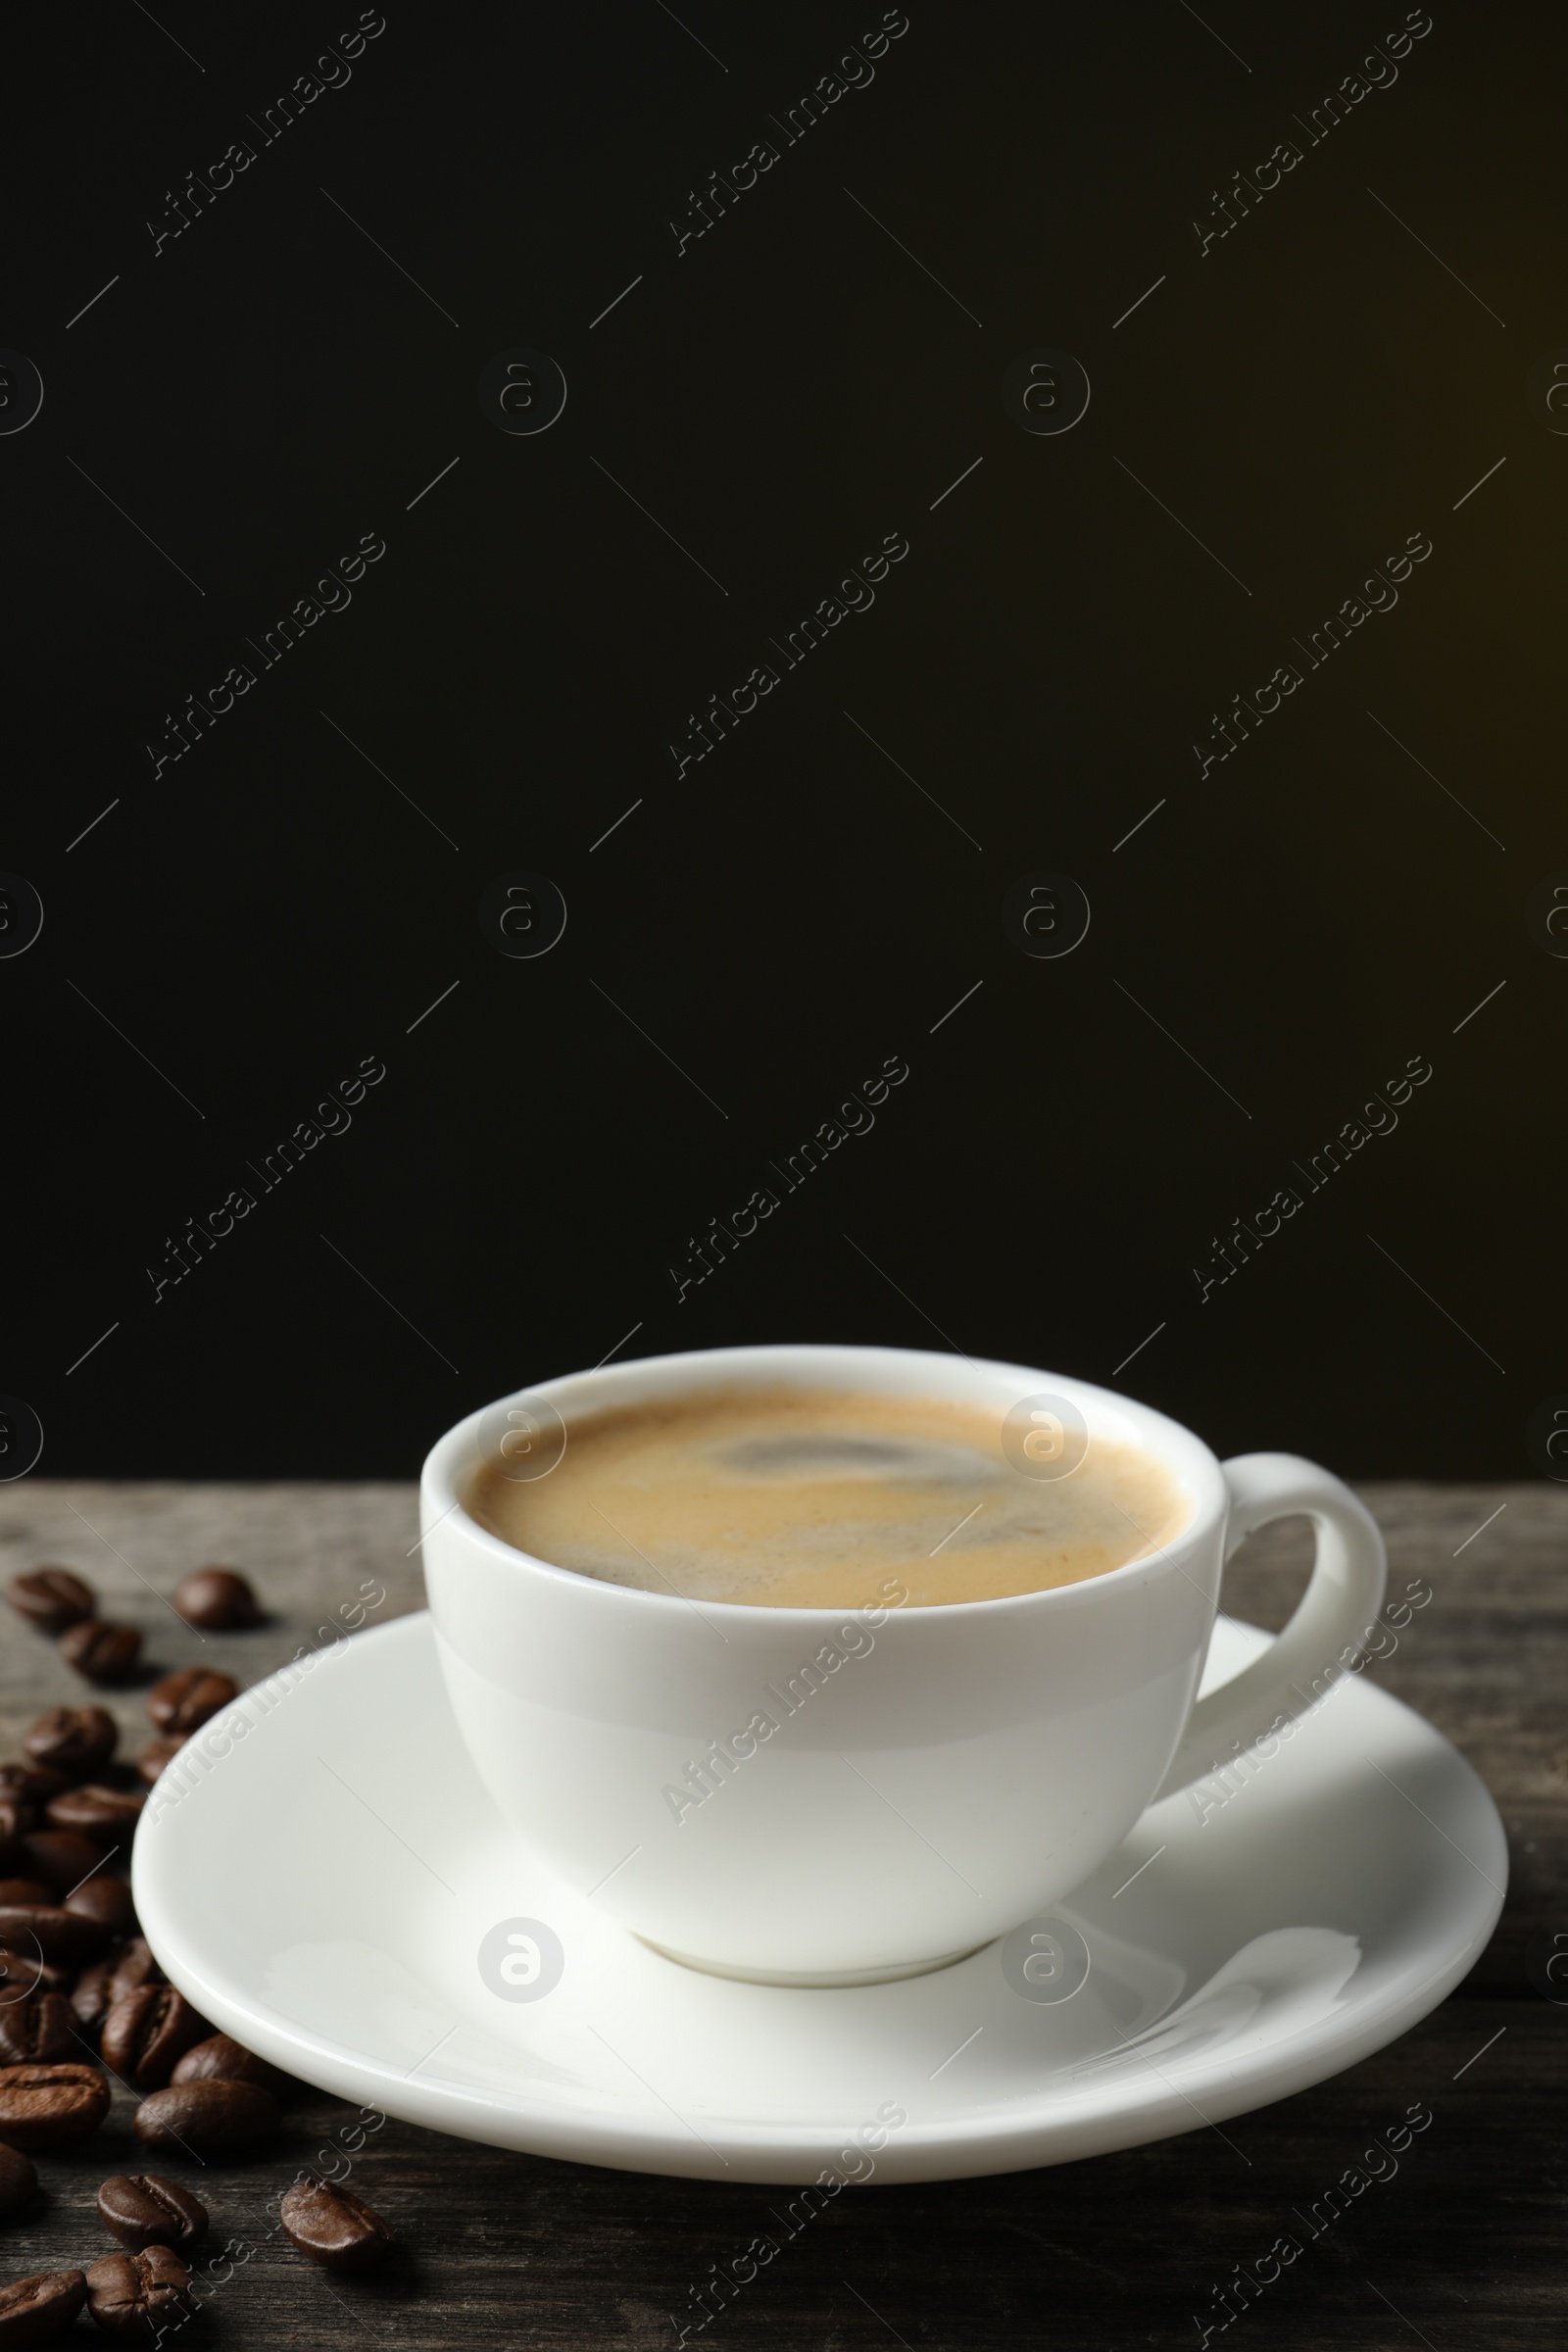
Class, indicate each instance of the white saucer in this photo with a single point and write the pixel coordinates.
(324, 1892)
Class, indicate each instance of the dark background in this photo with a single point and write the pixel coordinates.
(510, 1198)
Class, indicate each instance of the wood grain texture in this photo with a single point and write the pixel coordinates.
(1462, 2250)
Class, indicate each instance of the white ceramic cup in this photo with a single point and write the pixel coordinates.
(935, 1775)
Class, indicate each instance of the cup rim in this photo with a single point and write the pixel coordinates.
(1177, 1447)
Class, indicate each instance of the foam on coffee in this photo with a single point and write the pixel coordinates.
(803, 1498)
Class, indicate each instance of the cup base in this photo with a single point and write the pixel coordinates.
(813, 1979)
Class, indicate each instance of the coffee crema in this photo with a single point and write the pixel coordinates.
(811, 1498)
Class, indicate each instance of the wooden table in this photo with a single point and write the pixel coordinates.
(1464, 2250)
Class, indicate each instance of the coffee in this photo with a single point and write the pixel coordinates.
(797, 1498)
(334, 2227)
(214, 2118)
(142, 2296)
(142, 2209)
(44, 2105)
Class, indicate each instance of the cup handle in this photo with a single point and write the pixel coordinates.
(1337, 1609)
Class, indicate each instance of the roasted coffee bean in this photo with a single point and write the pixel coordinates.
(17, 2182)
(39, 2028)
(142, 2296)
(202, 2119)
(222, 2059)
(107, 1900)
(95, 1810)
(142, 2209)
(157, 1753)
(133, 1965)
(54, 1977)
(26, 1891)
(35, 2309)
(90, 2000)
(51, 1598)
(334, 2227)
(44, 2106)
(62, 1858)
(59, 1934)
(101, 1653)
(218, 1599)
(146, 2031)
(189, 1698)
(74, 1741)
(53, 2028)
